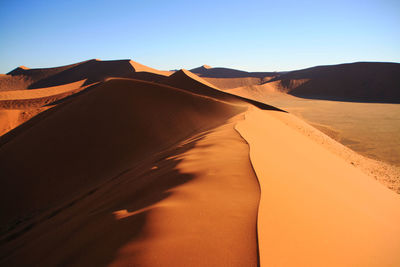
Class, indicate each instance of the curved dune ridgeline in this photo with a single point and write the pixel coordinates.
(147, 175)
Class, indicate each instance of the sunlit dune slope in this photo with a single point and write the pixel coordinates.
(316, 209)
(363, 81)
(19, 106)
(37, 97)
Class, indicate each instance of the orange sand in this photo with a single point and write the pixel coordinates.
(315, 208)
(136, 173)
(147, 175)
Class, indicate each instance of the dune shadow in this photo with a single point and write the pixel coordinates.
(89, 228)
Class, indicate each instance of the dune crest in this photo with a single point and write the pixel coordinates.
(142, 68)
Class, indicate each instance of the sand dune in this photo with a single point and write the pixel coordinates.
(14, 99)
(170, 171)
(142, 68)
(315, 208)
(94, 70)
(97, 70)
(134, 172)
(363, 81)
(207, 71)
(225, 78)
(187, 80)
(23, 77)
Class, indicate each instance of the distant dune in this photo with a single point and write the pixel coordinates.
(23, 77)
(119, 164)
(210, 72)
(186, 80)
(94, 70)
(225, 78)
(17, 107)
(363, 81)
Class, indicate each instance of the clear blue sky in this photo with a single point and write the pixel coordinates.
(249, 35)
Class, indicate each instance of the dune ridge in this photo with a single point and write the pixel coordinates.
(133, 191)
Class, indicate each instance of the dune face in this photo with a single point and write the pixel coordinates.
(310, 213)
(364, 81)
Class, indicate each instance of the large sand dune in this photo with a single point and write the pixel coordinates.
(173, 171)
(132, 174)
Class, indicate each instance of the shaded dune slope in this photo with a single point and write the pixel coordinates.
(207, 71)
(94, 70)
(186, 80)
(363, 81)
(135, 177)
(97, 71)
(225, 78)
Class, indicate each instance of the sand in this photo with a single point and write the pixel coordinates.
(126, 189)
(116, 163)
(315, 208)
(370, 129)
(19, 106)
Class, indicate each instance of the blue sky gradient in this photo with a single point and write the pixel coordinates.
(248, 35)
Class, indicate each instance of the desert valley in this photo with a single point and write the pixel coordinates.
(116, 163)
